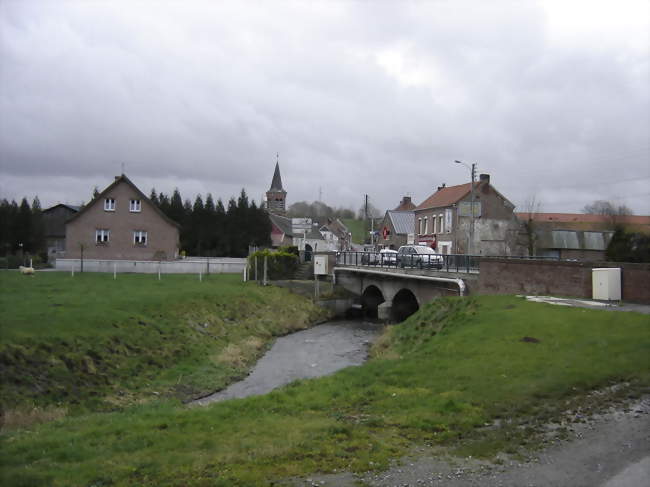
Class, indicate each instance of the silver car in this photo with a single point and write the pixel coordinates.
(419, 256)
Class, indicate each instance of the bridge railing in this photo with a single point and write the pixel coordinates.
(443, 262)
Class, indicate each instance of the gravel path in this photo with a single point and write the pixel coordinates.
(608, 450)
(314, 352)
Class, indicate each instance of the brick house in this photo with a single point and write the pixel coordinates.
(395, 228)
(122, 224)
(444, 219)
(54, 219)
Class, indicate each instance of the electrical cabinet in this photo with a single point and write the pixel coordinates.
(606, 283)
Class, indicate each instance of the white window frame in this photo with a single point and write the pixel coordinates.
(140, 237)
(135, 206)
(426, 225)
(441, 224)
(434, 221)
(109, 204)
(419, 226)
(102, 236)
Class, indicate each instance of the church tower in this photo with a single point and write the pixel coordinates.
(276, 196)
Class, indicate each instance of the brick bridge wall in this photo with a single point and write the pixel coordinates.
(559, 278)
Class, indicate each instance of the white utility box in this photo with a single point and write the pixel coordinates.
(320, 265)
(606, 283)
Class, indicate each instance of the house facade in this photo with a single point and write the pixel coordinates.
(122, 224)
(444, 221)
(396, 229)
(54, 219)
(336, 235)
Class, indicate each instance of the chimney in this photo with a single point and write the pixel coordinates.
(405, 200)
(443, 185)
(484, 178)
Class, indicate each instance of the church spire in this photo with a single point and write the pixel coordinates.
(276, 183)
(276, 195)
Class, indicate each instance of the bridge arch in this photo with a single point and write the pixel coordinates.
(371, 298)
(405, 303)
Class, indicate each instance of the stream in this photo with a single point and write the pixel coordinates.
(315, 352)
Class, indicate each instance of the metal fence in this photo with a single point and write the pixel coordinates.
(441, 262)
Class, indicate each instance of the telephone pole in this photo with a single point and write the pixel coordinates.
(470, 241)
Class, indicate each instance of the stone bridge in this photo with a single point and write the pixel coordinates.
(394, 294)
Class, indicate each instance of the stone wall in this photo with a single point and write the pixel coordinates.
(559, 278)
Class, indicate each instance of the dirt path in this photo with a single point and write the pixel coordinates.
(608, 450)
(315, 352)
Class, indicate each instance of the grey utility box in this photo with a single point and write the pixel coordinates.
(606, 283)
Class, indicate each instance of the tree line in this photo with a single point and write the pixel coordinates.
(21, 227)
(209, 228)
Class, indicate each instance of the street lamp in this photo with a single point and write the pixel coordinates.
(471, 228)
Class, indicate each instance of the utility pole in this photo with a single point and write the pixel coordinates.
(365, 219)
(471, 233)
(470, 240)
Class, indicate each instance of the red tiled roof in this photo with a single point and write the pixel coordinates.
(446, 196)
(583, 218)
(405, 206)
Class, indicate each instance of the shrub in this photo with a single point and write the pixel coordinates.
(10, 262)
(281, 265)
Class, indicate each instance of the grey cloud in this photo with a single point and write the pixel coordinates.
(201, 95)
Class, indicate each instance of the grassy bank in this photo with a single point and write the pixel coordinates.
(438, 378)
(94, 343)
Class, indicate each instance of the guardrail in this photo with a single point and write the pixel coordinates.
(443, 262)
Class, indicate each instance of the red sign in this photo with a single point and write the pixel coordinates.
(385, 233)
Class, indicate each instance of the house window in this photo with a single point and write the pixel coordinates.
(419, 226)
(426, 225)
(441, 226)
(134, 206)
(102, 236)
(109, 204)
(434, 222)
(140, 237)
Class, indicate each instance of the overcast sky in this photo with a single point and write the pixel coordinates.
(379, 98)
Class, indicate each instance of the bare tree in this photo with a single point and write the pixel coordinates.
(608, 209)
(531, 206)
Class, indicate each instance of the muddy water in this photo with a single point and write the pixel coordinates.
(315, 352)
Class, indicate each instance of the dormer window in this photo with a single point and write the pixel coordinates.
(134, 206)
(109, 204)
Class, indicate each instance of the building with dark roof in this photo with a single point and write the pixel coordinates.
(54, 219)
(396, 229)
(122, 223)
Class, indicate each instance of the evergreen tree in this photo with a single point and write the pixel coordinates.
(220, 244)
(164, 204)
(154, 197)
(37, 229)
(196, 236)
(5, 226)
(176, 210)
(23, 226)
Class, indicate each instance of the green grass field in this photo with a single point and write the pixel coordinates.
(356, 227)
(89, 342)
(437, 378)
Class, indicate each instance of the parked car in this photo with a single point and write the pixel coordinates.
(388, 257)
(418, 256)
